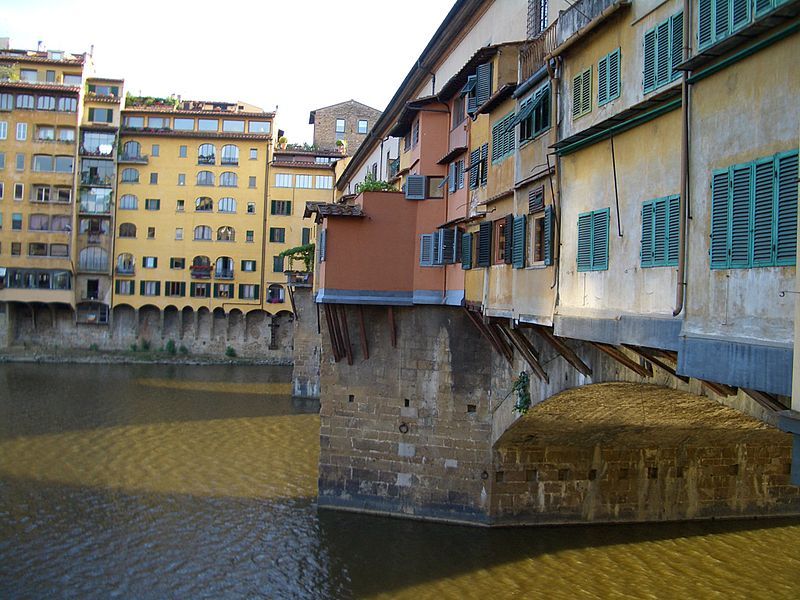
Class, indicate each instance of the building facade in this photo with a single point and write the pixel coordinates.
(346, 123)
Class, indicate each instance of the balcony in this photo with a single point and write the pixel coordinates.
(531, 55)
(299, 278)
(223, 274)
(95, 208)
(140, 159)
(207, 160)
(200, 271)
(102, 180)
(582, 14)
(95, 152)
(126, 270)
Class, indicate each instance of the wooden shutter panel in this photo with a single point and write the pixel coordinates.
(676, 44)
(241, 291)
(451, 178)
(474, 159)
(91, 114)
(141, 288)
(536, 199)
(460, 171)
(485, 245)
(586, 91)
(192, 289)
(663, 58)
(740, 14)
(602, 81)
(584, 255)
(257, 291)
(466, 251)
(763, 211)
(549, 223)
(483, 86)
(720, 186)
(183, 288)
(762, 7)
(508, 247)
(705, 33)
(722, 18)
(446, 242)
(649, 74)
(673, 229)
(518, 250)
(323, 243)
(484, 163)
(577, 94)
(426, 250)
(646, 253)
(613, 74)
(659, 233)
(786, 209)
(741, 185)
(600, 240)
(116, 286)
(415, 187)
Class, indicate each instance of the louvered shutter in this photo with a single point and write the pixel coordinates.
(673, 229)
(741, 184)
(659, 233)
(663, 58)
(183, 288)
(762, 7)
(508, 246)
(415, 187)
(577, 85)
(257, 292)
(586, 91)
(720, 187)
(705, 33)
(518, 251)
(483, 86)
(602, 81)
(536, 199)
(740, 14)
(192, 289)
(549, 224)
(763, 211)
(484, 163)
(451, 176)
(466, 251)
(474, 159)
(460, 172)
(457, 246)
(241, 291)
(676, 43)
(215, 291)
(141, 288)
(600, 240)
(649, 74)
(485, 245)
(446, 242)
(426, 250)
(613, 74)
(437, 258)
(116, 286)
(646, 253)
(584, 255)
(323, 245)
(786, 208)
(722, 18)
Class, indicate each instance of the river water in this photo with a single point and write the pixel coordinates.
(153, 481)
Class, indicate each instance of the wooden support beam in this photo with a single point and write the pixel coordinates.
(331, 332)
(565, 351)
(766, 400)
(505, 348)
(392, 329)
(487, 333)
(291, 300)
(647, 354)
(362, 331)
(623, 359)
(348, 349)
(523, 346)
(719, 388)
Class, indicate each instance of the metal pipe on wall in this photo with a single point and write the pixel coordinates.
(680, 287)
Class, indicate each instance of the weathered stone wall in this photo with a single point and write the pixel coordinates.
(325, 135)
(306, 347)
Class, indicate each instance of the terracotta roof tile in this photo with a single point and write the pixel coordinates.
(328, 209)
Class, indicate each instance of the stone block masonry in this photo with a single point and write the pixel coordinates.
(306, 345)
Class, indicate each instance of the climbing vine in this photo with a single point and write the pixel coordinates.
(522, 386)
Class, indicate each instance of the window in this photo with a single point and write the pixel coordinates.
(277, 234)
(150, 288)
(45, 103)
(592, 252)
(283, 180)
(2, 190)
(37, 249)
(42, 162)
(16, 222)
(305, 236)
(38, 222)
(660, 236)
(226, 233)
(233, 126)
(582, 93)
(415, 134)
(183, 124)
(206, 154)
(663, 51)
(177, 262)
(716, 20)
(230, 155)
(539, 247)
(158, 122)
(20, 160)
(534, 114)
(537, 17)
(251, 208)
(754, 213)
(125, 264)
(199, 290)
(152, 204)
(59, 250)
(151, 233)
(16, 248)
(182, 152)
(223, 290)
(45, 133)
(362, 126)
(132, 149)
(204, 204)
(3, 130)
(153, 178)
(128, 202)
(303, 181)
(25, 101)
(251, 181)
(106, 115)
(277, 264)
(149, 262)
(127, 230)
(175, 288)
(503, 138)
(228, 179)
(67, 134)
(63, 195)
(502, 236)
(249, 266)
(250, 291)
(478, 167)
(19, 191)
(324, 182)
(181, 178)
(281, 207)
(340, 124)
(226, 205)
(179, 205)
(22, 132)
(259, 126)
(155, 150)
(67, 104)
(130, 175)
(6, 101)
(124, 287)
(248, 236)
(202, 233)
(28, 75)
(205, 178)
(253, 153)
(73, 79)
(64, 164)
(207, 124)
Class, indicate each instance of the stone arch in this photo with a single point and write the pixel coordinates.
(219, 324)
(236, 326)
(256, 324)
(123, 322)
(188, 322)
(172, 323)
(149, 323)
(204, 323)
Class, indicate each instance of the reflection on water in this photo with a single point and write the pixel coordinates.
(189, 482)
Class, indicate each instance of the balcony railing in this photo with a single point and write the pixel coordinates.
(95, 208)
(206, 160)
(95, 152)
(223, 274)
(138, 159)
(126, 270)
(531, 55)
(580, 14)
(200, 271)
(94, 266)
(104, 180)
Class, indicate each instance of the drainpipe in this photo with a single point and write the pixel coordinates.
(683, 225)
(554, 71)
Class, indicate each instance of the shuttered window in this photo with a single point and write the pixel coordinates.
(502, 138)
(536, 199)
(483, 83)
(717, 19)
(754, 213)
(549, 226)
(608, 78)
(484, 164)
(518, 243)
(593, 240)
(663, 52)
(427, 249)
(474, 168)
(582, 93)
(415, 187)
(484, 245)
(323, 245)
(660, 235)
(466, 251)
(446, 242)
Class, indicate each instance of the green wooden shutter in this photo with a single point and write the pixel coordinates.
(600, 239)
(257, 291)
(673, 229)
(141, 288)
(305, 236)
(659, 233)
(183, 288)
(91, 114)
(116, 286)
(786, 209)
(584, 255)
(474, 159)
(483, 86)
(649, 73)
(484, 163)
(426, 250)
(741, 192)
(549, 222)
(192, 289)
(485, 244)
(720, 187)
(518, 251)
(215, 290)
(722, 19)
(705, 31)
(508, 242)
(646, 252)
(446, 241)
(763, 212)
(451, 178)
(241, 291)
(676, 44)
(663, 58)
(577, 94)
(762, 7)
(586, 91)
(466, 251)
(740, 14)
(614, 74)
(602, 81)
(536, 199)
(158, 288)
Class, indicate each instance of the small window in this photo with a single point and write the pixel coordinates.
(181, 178)
(277, 234)
(152, 204)
(22, 132)
(362, 126)
(179, 205)
(253, 153)
(226, 205)
(204, 204)
(249, 266)
(177, 263)
(149, 262)
(251, 182)
(281, 207)
(251, 208)
(151, 233)
(155, 150)
(182, 152)
(128, 202)
(153, 178)
(501, 232)
(340, 125)
(179, 233)
(19, 191)
(277, 264)
(248, 236)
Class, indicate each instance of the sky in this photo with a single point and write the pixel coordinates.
(296, 55)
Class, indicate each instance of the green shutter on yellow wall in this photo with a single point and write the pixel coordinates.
(466, 251)
(518, 251)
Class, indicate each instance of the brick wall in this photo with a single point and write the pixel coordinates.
(325, 124)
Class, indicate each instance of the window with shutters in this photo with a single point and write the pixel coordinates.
(660, 235)
(428, 250)
(663, 52)
(467, 243)
(536, 199)
(592, 252)
(502, 138)
(539, 231)
(534, 114)
(223, 290)
(754, 213)
(175, 288)
(449, 246)
(582, 93)
(484, 245)
(199, 290)
(503, 240)
(483, 83)
(474, 168)
(608, 78)
(718, 19)
(124, 287)
(150, 288)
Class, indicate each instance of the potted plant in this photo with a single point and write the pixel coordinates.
(341, 146)
(282, 142)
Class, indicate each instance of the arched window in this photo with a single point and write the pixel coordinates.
(130, 175)
(204, 204)
(127, 230)
(201, 261)
(125, 264)
(224, 268)
(93, 258)
(275, 294)
(205, 178)
(46, 103)
(201, 267)
(128, 202)
(226, 205)
(228, 179)
(226, 234)
(25, 101)
(202, 232)
(206, 154)
(131, 150)
(230, 155)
